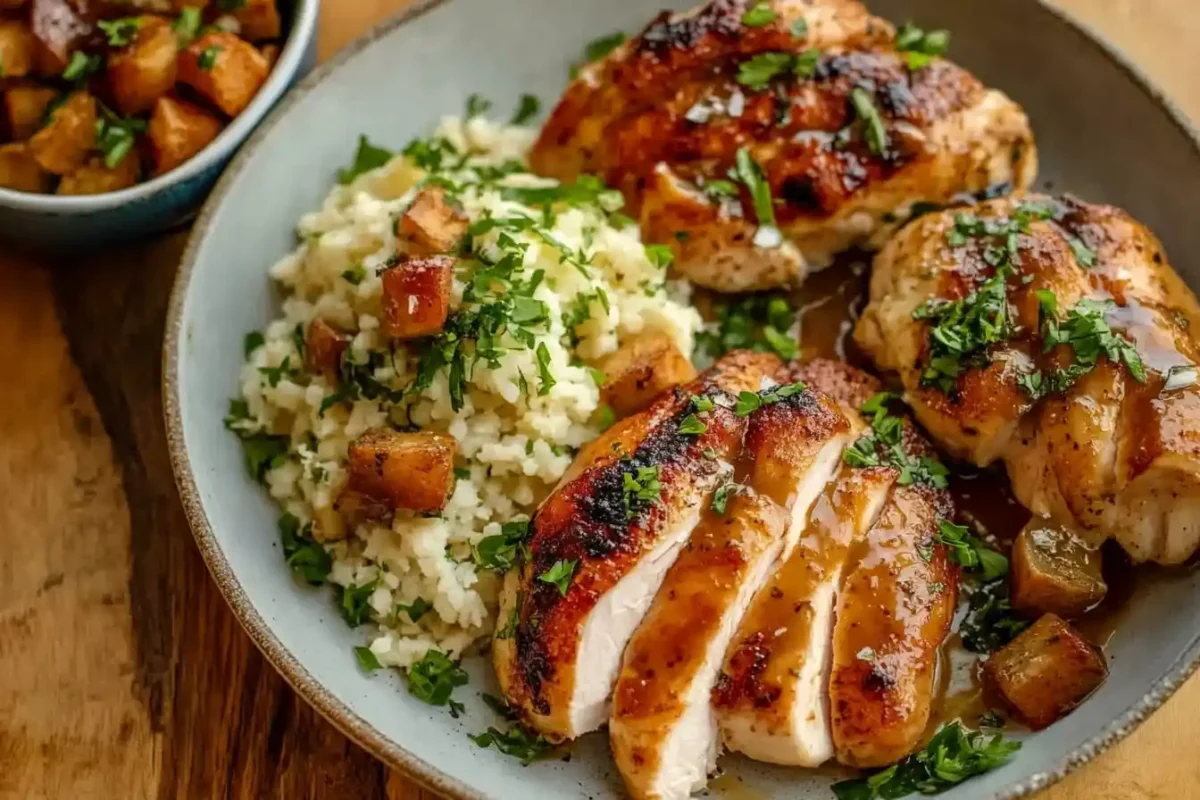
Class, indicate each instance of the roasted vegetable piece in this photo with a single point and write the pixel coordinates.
(179, 130)
(642, 368)
(1046, 671)
(59, 28)
(324, 346)
(19, 170)
(145, 70)
(404, 470)
(430, 225)
(416, 297)
(1054, 571)
(258, 20)
(348, 510)
(25, 108)
(16, 49)
(94, 177)
(226, 70)
(67, 138)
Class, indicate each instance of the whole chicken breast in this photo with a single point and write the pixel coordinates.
(1052, 334)
(602, 543)
(663, 732)
(703, 111)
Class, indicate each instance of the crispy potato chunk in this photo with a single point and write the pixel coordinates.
(324, 346)
(94, 177)
(1046, 671)
(179, 130)
(225, 70)
(68, 137)
(1053, 571)
(19, 170)
(25, 108)
(259, 20)
(642, 368)
(430, 225)
(404, 470)
(17, 48)
(145, 70)
(416, 297)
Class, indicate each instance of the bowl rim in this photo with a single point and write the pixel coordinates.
(303, 30)
(288, 665)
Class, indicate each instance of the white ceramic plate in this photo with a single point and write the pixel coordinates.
(1103, 133)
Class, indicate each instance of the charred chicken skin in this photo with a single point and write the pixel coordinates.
(1052, 334)
(757, 150)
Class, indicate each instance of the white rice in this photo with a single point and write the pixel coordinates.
(515, 444)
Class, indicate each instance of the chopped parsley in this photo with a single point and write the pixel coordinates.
(208, 57)
(354, 603)
(367, 660)
(660, 255)
(759, 70)
(874, 133)
(1086, 332)
(963, 330)
(366, 158)
(951, 756)
(1084, 255)
(116, 135)
(274, 375)
(477, 105)
(119, 32)
(187, 25)
(692, 425)
(504, 550)
(527, 110)
(760, 322)
(597, 49)
(750, 173)
(355, 275)
(971, 553)
(82, 66)
(720, 499)
(799, 27)
(263, 452)
(543, 362)
(758, 15)
(304, 555)
(749, 402)
(990, 622)
(920, 46)
(434, 678)
(640, 489)
(806, 62)
(252, 341)
(884, 446)
(560, 574)
(702, 403)
(419, 608)
(518, 741)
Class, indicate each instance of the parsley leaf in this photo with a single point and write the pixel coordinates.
(749, 402)
(759, 70)
(799, 27)
(884, 446)
(367, 660)
(921, 46)
(419, 608)
(208, 57)
(252, 341)
(366, 158)
(519, 742)
(758, 15)
(874, 132)
(477, 105)
(1086, 331)
(305, 556)
(971, 553)
(660, 255)
(757, 321)
(82, 66)
(560, 574)
(120, 32)
(751, 174)
(264, 452)
(502, 551)
(692, 425)
(597, 49)
(720, 499)
(529, 108)
(640, 489)
(434, 678)
(187, 25)
(354, 603)
(116, 135)
(990, 622)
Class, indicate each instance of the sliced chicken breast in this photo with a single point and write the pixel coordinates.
(663, 731)
(602, 543)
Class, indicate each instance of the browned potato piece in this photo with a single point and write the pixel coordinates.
(430, 225)
(17, 49)
(259, 20)
(226, 70)
(1046, 671)
(405, 470)
(1054, 571)
(96, 178)
(67, 138)
(348, 511)
(19, 170)
(270, 53)
(324, 346)
(25, 108)
(416, 297)
(641, 369)
(145, 70)
(179, 130)
(60, 28)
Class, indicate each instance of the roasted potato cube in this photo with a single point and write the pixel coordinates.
(68, 137)
(324, 346)
(416, 297)
(60, 28)
(25, 109)
(95, 177)
(404, 470)
(17, 49)
(225, 70)
(1046, 671)
(145, 70)
(1054, 571)
(19, 170)
(642, 368)
(259, 20)
(179, 130)
(430, 225)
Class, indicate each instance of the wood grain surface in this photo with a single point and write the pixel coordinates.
(122, 672)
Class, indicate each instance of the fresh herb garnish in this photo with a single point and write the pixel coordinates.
(640, 489)
(354, 603)
(502, 551)
(597, 49)
(759, 70)
(116, 135)
(963, 330)
(434, 678)
(187, 25)
(720, 499)
(355, 275)
(304, 555)
(1084, 255)
(874, 133)
(82, 66)
(806, 63)
(120, 32)
(264, 452)
(884, 446)
(208, 57)
(560, 574)
(799, 27)
(970, 553)
(952, 755)
(367, 660)
(1085, 330)
(750, 173)
(518, 741)
(749, 402)
(366, 158)
(760, 322)
(477, 105)
(417, 609)
(252, 341)
(660, 255)
(527, 110)
(692, 425)
(990, 622)
(758, 15)
(920, 46)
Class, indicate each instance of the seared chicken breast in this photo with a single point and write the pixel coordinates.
(787, 692)
(663, 731)
(602, 543)
(700, 116)
(1052, 334)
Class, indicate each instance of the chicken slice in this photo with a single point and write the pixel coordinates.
(665, 117)
(613, 526)
(1104, 448)
(663, 731)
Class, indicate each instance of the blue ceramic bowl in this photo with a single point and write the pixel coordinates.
(49, 223)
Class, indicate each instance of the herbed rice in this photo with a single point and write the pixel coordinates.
(516, 432)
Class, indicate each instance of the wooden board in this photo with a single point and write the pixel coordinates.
(123, 674)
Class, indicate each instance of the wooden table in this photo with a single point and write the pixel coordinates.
(122, 672)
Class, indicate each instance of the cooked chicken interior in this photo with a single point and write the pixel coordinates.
(663, 731)
(759, 145)
(1052, 334)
